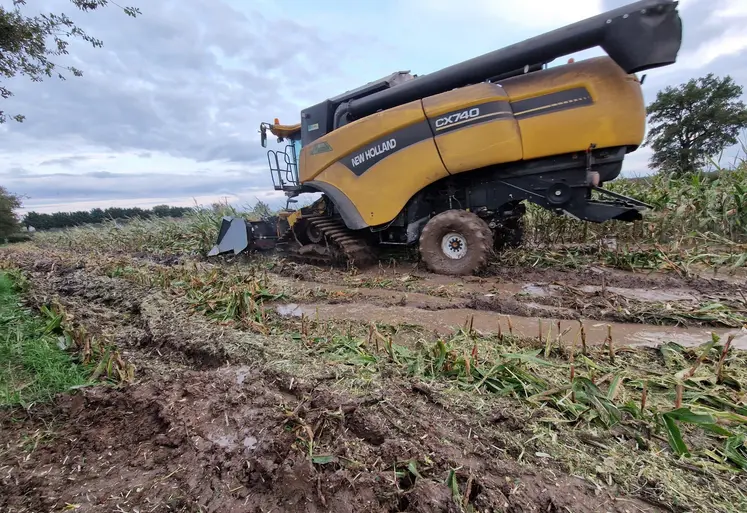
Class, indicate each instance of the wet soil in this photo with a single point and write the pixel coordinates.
(648, 303)
(208, 425)
(510, 277)
(446, 321)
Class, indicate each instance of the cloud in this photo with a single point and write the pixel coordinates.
(538, 14)
(68, 161)
(192, 78)
(169, 107)
(84, 190)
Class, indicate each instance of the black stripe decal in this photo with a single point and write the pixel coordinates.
(361, 160)
(553, 102)
(470, 116)
(366, 157)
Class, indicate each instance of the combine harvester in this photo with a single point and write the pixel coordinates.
(445, 160)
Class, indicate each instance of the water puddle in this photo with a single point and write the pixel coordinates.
(231, 441)
(537, 290)
(649, 295)
(445, 321)
(292, 310)
(652, 295)
(224, 441)
(241, 374)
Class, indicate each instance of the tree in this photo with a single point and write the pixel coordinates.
(8, 219)
(693, 122)
(29, 44)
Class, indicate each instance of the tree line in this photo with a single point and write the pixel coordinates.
(97, 215)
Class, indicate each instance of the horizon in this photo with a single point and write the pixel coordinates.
(167, 111)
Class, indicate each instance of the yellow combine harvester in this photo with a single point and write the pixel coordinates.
(445, 160)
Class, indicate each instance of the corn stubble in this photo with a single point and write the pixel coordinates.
(610, 413)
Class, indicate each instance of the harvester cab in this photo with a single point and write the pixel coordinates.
(447, 161)
(283, 164)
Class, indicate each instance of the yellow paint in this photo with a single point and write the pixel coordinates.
(617, 117)
(495, 141)
(462, 98)
(294, 217)
(357, 134)
(380, 193)
(477, 146)
(285, 131)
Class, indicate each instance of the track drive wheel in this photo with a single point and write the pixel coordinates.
(313, 233)
(455, 242)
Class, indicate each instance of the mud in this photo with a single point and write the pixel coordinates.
(511, 276)
(446, 321)
(208, 426)
(203, 442)
(214, 424)
(653, 300)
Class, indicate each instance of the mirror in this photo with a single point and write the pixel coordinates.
(263, 135)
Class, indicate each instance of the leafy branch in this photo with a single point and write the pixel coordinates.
(30, 44)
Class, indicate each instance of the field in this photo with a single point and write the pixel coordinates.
(597, 368)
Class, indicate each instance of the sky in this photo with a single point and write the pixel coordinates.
(168, 110)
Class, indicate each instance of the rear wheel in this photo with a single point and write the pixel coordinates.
(455, 242)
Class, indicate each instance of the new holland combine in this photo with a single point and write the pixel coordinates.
(445, 161)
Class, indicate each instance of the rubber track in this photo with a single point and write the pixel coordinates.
(345, 245)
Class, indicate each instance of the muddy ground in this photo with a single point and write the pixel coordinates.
(642, 308)
(220, 419)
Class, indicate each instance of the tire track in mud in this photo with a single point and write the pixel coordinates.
(446, 321)
(194, 434)
(637, 315)
(511, 279)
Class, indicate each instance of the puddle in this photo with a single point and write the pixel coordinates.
(646, 294)
(292, 310)
(549, 310)
(224, 441)
(241, 374)
(231, 441)
(537, 290)
(444, 321)
(650, 295)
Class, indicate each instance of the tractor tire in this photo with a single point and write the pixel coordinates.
(455, 242)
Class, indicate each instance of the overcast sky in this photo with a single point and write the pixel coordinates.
(168, 110)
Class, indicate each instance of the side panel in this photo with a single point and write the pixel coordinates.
(379, 192)
(474, 127)
(319, 154)
(569, 107)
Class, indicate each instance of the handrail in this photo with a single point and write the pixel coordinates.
(285, 176)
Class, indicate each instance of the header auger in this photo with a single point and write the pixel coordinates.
(446, 160)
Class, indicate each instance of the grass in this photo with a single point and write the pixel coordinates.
(698, 222)
(597, 387)
(33, 366)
